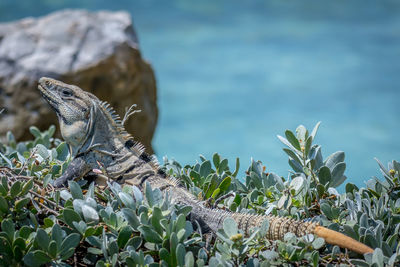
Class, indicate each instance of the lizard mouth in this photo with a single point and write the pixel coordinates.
(50, 98)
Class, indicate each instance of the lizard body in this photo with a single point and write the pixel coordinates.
(96, 136)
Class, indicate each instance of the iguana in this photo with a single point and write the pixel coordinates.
(96, 136)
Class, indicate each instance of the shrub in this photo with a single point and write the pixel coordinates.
(122, 226)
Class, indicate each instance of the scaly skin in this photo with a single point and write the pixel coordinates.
(96, 136)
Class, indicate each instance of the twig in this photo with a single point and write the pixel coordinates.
(28, 178)
(45, 199)
(6, 169)
(75, 260)
(47, 208)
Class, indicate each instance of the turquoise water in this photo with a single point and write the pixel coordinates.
(234, 74)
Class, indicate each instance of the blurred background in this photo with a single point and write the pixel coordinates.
(233, 74)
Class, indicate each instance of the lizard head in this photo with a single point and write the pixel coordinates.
(73, 107)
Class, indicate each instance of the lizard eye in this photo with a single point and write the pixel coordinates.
(66, 92)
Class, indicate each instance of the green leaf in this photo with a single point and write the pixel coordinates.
(284, 201)
(5, 246)
(326, 209)
(350, 231)
(81, 227)
(286, 142)
(20, 242)
(149, 194)
(9, 163)
(223, 165)
(224, 185)
(279, 182)
(94, 251)
(337, 174)
(155, 220)
(213, 185)
(307, 146)
(180, 254)
(216, 160)
(56, 234)
(64, 194)
(371, 241)
(78, 204)
(52, 249)
(42, 151)
(75, 189)
(189, 259)
(127, 200)
(18, 254)
(42, 239)
(202, 254)
(164, 255)
(237, 167)
(338, 182)
(3, 205)
(113, 248)
(215, 193)
(135, 242)
(15, 189)
(149, 234)
(301, 134)
(36, 258)
(315, 130)
(51, 130)
(8, 227)
(324, 175)
(71, 216)
(3, 191)
(292, 139)
(297, 183)
(377, 257)
(256, 180)
(67, 254)
(62, 151)
(230, 227)
(350, 187)
(334, 159)
(35, 131)
(10, 139)
(89, 231)
(25, 231)
(205, 168)
(292, 155)
(19, 204)
(315, 258)
(131, 217)
(318, 243)
(90, 214)
(123, 236)
(70, 242)
(26, 187)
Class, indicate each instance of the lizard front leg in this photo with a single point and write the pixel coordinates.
(76, 169)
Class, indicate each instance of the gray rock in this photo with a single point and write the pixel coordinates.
(97, 51)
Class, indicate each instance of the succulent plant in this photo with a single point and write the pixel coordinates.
(122, 226)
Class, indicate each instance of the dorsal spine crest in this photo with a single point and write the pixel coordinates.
(115, 120)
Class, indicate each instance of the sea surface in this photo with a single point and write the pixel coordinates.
(233, 74)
